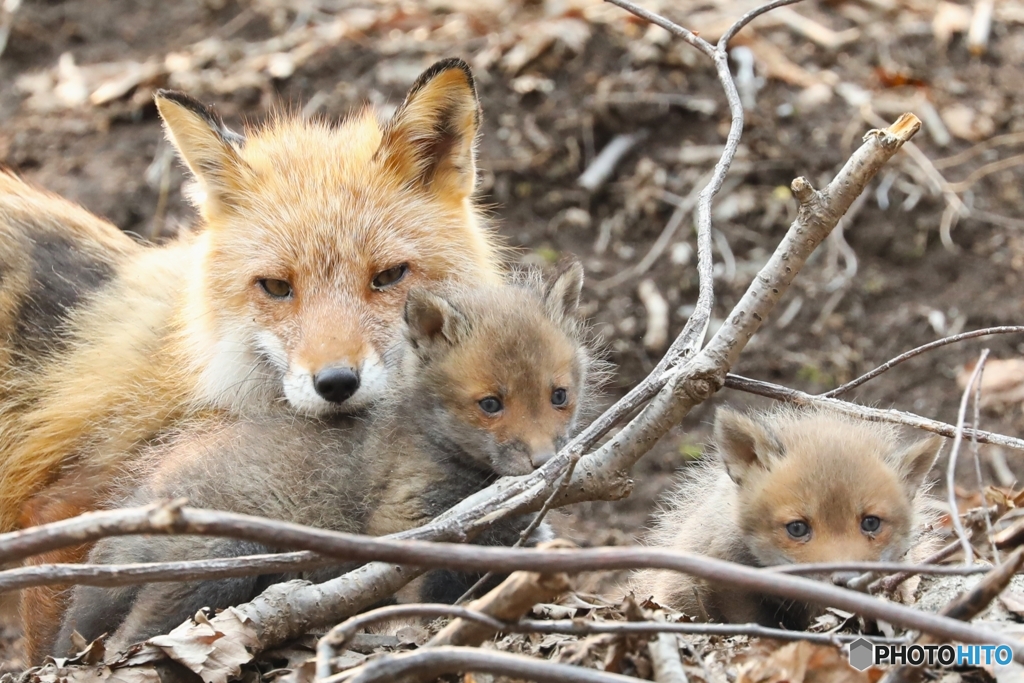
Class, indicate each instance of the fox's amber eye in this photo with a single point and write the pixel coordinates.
(491, 405)
(559, 397)
(798, 529)
(391, 276)
(279, 289)
(870, 524)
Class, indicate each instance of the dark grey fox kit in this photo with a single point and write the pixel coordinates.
(492, 382)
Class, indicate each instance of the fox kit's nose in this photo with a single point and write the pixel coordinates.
(336, 385)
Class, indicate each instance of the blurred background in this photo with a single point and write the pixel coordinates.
(934, 247)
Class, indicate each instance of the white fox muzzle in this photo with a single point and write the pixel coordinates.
(338, 387)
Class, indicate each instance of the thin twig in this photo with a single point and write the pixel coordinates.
(975, 452)
(984, 145)
(430, 663)
(891, 583)
(110, 575)
(958, 437)
(889, 364)
(880, 567)
(800, 398)
(727, 37)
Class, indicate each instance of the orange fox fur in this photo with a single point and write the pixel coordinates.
(312, 235)
(54, 256)
(789, 486)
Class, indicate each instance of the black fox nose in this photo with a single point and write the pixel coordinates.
(336, 384)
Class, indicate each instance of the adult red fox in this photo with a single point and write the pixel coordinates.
(284, 301)
(290, 293)
(790, 486)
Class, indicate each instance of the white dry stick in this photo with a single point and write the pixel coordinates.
(602, 167)
(977, 466)
(668, 667)
(981, 27)
(954, 510)
(656, 336)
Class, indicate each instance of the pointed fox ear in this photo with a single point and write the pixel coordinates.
(744, 443)
(208, 148)
(916, 460)
(432, 137)
(562, 297)
(430, 319)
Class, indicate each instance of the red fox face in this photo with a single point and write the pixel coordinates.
(820, 488)
(314, 235)
(501, 372)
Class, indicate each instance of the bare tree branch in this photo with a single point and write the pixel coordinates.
(151, 572)
(890, 583)
(780, 393)
(889, 364)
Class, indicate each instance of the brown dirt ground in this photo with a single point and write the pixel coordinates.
(535, 145)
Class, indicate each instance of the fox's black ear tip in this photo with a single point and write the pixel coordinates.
(440, 67)
(188, 102)
(176, 96)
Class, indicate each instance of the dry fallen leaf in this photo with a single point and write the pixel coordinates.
(802, 662)
(1002, 382)
(1013, 601)
(216, 650)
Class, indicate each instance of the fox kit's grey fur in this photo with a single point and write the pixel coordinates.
(789, 486)
(492, 383)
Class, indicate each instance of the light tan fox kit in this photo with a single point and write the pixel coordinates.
(789, 486)
(492, 382)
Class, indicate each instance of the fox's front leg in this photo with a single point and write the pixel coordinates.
(136, 614)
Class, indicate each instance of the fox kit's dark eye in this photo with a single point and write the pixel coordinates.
(279, 289)
(559, 397)
(870, 524)
(391, 276)
(798, 529)
(491, 405)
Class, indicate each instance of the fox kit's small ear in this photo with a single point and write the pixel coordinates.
(431, 139)
(916, 460)
(743, 443)
(562, 297)
(431, 318)
(207, 146)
